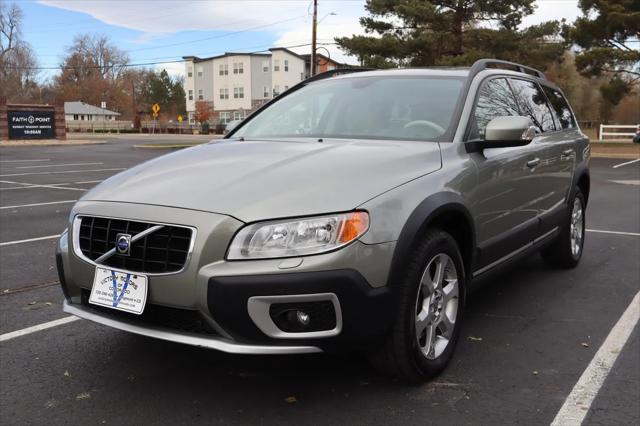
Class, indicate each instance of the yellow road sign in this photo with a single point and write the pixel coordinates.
(155, 108)
(179, 119)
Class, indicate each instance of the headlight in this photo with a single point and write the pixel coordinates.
(298, 237)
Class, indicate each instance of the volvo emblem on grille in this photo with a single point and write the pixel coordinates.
(123, 244)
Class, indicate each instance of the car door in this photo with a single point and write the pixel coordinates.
(502, 199)
(561, 157)
(551, 164)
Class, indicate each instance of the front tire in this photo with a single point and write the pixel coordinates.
(566, 251)
(430, 306)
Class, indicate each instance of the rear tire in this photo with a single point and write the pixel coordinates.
(566, 250)
(429, 311)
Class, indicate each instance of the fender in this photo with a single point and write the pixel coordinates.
(421, 217)
(581, 170)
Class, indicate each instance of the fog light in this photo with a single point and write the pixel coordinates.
(303, 317)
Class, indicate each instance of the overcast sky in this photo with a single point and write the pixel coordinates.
(166, 30)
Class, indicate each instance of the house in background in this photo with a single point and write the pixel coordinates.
(236, 84)
(80, 111)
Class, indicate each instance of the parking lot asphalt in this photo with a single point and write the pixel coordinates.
(530, 331)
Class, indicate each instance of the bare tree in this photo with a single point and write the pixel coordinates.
(17, 62)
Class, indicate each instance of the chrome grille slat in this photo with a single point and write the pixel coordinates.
(158, 249)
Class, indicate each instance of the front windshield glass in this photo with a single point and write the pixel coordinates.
(401, 108)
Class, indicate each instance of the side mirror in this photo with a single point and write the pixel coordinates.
(504, 132)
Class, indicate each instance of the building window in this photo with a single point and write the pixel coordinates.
(200, 71)
(276, 90)
(225, 117)
(200, 95)
(238, 115)
(331, 67)
(224, 93)
(224, 69)
(190, 95)
(265, 66)
(238, 67)
(238, 92)
(191, 118)
(276, 65)
(301, 76)
(286, 65)
(190, 72)
(265, 92)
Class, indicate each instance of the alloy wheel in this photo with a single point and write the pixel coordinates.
(437, 306)
(576, 227)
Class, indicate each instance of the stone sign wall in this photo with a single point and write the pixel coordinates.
(22, 121)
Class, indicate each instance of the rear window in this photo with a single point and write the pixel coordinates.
(560, 107)
(402, 108)
(533, 104)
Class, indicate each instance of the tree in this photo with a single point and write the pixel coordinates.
(160, 88)
(452, 32)
(203, 113)
(93, 71)
(603, 34)
(17, 61)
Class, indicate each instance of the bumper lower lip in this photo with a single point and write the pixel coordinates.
(220, 344)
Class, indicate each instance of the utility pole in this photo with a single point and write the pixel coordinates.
(313, 37)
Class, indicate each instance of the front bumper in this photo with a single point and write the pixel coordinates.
(217, 292)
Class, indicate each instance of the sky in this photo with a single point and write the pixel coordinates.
(166, 30)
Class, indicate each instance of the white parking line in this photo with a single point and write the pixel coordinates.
(576, 406)
(627, 163)
(10, 243)
(50, 185)
(39, 327)
(66, 171)
(37, 204)
(22, 161)
(59, 165)
(598, 231)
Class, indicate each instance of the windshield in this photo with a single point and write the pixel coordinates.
(402, 108)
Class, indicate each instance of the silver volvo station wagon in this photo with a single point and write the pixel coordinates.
(350, 213)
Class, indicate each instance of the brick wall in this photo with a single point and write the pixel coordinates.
(58, 110)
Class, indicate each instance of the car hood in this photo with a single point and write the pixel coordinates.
(255, 180)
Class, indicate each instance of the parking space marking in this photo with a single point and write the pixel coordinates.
(35, 328)
(59, 165)
(23, 161)
(62, 172)
(627, 163)
(577, 404)
(48, 237)
(598, 231)
(51, 185)
(37, 204)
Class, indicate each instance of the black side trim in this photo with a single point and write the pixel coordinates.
(366, 311)
(60, 267)
(501, 245)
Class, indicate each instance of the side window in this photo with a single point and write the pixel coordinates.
(561, 108)
(495, 100)
(533, 104)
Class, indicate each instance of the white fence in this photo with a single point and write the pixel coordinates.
(604, 135)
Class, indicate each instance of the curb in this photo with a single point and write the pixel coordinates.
(47, 143)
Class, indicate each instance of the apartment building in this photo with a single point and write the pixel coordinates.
(235, 84)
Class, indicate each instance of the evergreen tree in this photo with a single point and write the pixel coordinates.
(452, 32)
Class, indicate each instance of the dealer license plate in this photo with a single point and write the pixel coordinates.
(121, 290)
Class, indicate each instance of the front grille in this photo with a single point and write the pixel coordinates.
(162, 251)
(158, 316)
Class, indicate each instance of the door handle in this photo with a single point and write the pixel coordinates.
(567, 153)
(532, 163)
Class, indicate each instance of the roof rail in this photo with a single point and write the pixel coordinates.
(483, 64)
